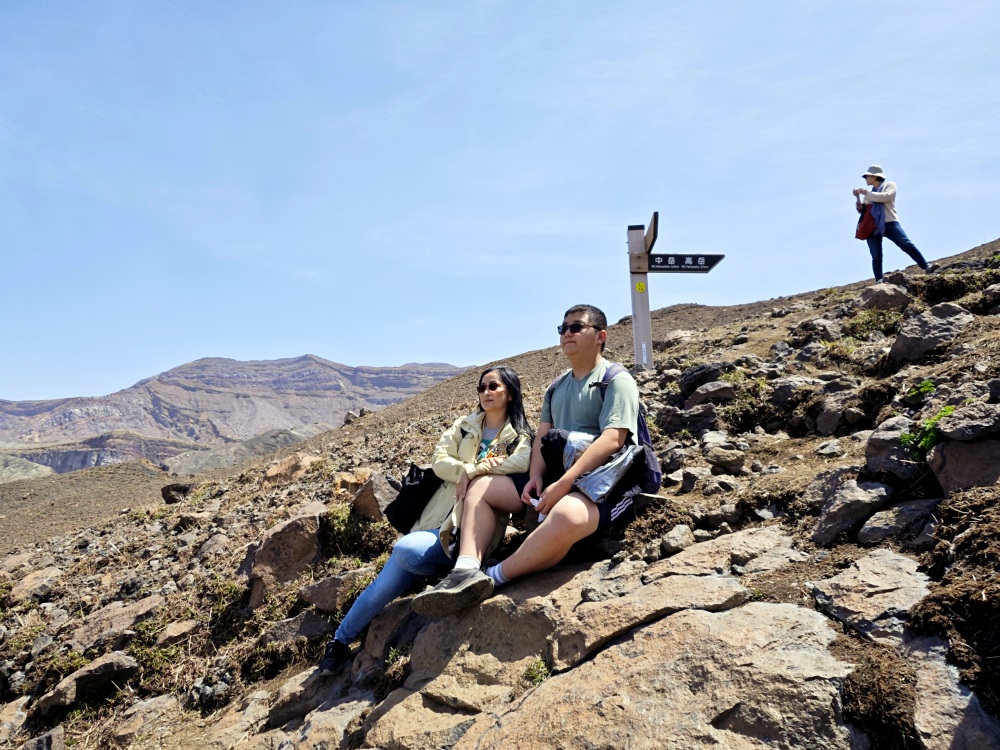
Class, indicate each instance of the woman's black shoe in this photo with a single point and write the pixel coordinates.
(337, 656)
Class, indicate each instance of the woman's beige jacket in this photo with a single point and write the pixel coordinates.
(454, 455)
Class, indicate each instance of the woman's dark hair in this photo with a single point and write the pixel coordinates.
(515, 407)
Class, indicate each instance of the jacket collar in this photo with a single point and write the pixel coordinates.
(475, 422)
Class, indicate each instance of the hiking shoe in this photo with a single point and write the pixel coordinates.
(458, 590)
(932, 268)
(337, 656)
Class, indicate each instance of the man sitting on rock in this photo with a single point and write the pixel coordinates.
(601, 427)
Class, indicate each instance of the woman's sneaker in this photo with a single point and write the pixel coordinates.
(932, 268)
(458, 590)
(337, 656)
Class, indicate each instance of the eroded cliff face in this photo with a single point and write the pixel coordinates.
(215, 401)
(113, 448)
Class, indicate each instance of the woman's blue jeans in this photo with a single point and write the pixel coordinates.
(895, 233)
(417, 554)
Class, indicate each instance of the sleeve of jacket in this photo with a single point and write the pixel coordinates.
(516, 463)
(445, 461)
(886, 195)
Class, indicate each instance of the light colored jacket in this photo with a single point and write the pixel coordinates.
(887, 197)
(455, 455)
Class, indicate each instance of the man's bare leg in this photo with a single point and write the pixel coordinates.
(573, 518)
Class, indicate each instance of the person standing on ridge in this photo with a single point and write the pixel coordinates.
(881, 196)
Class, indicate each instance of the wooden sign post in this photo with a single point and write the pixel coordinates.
(641, 262)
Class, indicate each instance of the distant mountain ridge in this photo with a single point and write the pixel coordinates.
(213, 402)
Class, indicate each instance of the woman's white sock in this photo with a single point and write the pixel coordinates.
(467, 562)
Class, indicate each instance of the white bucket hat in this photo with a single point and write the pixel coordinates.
(875, 171)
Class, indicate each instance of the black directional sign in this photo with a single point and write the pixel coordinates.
(683, 263)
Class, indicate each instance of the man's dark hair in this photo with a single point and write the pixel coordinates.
(595, 316)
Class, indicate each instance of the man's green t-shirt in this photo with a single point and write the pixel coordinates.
(576, 405)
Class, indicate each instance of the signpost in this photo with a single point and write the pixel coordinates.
(642, 261)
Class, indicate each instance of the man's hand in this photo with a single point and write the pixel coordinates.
(553, 494)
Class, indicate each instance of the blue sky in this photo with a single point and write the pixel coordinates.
(386, 182)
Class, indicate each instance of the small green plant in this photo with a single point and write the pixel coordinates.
(64, 664)
(752, 404)
(537, 671)
(344, 533)
(395, 656)
(921, 391)
(156, 664)
(928, 435)
(226, 601)
(156, 514)
(840, 349)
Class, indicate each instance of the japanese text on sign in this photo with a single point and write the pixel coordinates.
(683, 263)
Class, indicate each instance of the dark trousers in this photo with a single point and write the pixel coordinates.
(617, 509)
(895, 233)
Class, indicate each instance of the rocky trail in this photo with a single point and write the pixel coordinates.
(819, 569)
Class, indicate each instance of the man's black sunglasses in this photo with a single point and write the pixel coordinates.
(492, 385)
(575, 327)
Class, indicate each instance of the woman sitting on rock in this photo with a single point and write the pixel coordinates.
(488, 451)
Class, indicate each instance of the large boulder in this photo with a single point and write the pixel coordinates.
(873, 594)
(283, 553)
(54, 739)
(13, 716)
(886, 453)
(291, 468)
(717, 390)
(756, 676)
(850, 504)
(35, 586)
(751, 551)
(109, 623)
(695, 420)
(947, 715)
(905, 519)
(374, 496)
(937, 326)
(883, 297)
(331, 593)
(971, 421)
(138, 718)
(958, 466)
(103, 675)
(694, 377)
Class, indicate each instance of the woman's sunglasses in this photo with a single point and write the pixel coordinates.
(575, 327)
(493, 386)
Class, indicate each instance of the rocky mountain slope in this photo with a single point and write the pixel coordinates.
(819, 570)
(194, 462)
(206, 403)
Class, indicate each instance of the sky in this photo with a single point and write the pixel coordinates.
(386, 182)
